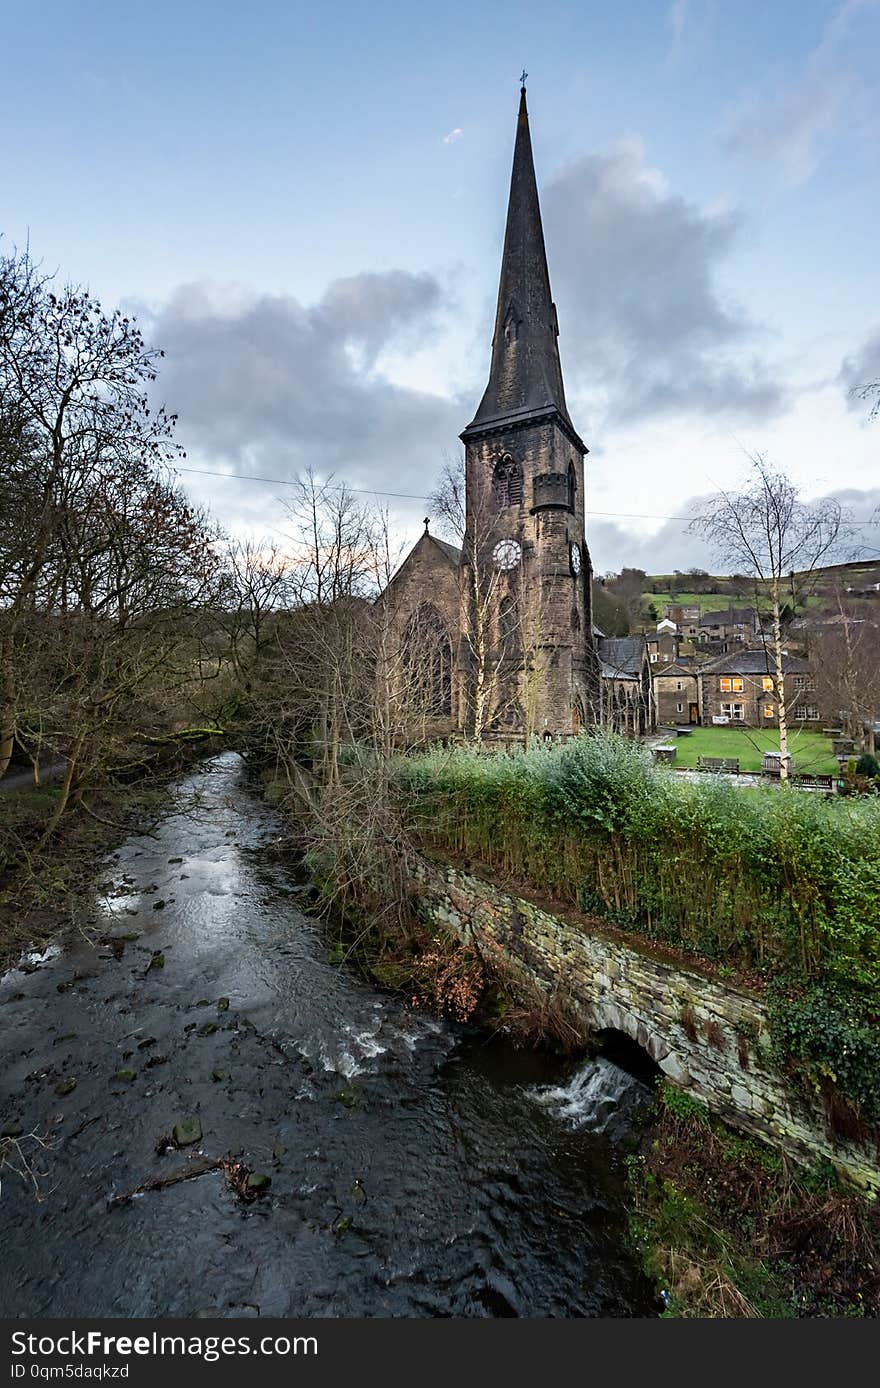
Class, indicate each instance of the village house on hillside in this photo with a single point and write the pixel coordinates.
(663, 644)
(686, 617)
(722, 630)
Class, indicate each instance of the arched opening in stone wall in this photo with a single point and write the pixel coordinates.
(609, 1020)
(622, 1050)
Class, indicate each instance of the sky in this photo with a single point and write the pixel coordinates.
(305, 207)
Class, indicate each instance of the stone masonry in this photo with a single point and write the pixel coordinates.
(710, 1039)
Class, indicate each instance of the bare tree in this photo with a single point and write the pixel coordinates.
(502, 630)
(103, 562)
(845, 653)
(780, 541)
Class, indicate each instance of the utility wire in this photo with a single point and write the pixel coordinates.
(412, 496)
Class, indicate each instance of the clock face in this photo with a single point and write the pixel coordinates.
(507, 554)
(575, 559)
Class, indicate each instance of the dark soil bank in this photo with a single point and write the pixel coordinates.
(415, 1170)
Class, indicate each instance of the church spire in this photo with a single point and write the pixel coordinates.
(525, 379)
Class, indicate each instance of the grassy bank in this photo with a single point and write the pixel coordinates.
(727, 1228)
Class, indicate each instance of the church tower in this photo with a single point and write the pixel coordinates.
(528, 661)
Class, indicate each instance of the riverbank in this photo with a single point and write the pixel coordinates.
(49, 889)
(726, 1227)
(414, 1167)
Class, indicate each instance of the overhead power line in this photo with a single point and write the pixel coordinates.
(412, 496)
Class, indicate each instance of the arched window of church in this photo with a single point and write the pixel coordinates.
(572, 486)
(428, 659)
(508, 623)
(507, 481)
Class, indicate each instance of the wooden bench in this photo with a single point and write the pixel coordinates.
(819, 781)
(730, 765)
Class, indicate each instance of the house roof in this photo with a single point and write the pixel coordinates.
(744, 616)
(621, 657)
(757, 661)
(674, 668)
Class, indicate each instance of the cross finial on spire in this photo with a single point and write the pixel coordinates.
(522, 79)
(427, 523)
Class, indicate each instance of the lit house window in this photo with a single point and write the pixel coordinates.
(768, 710)
(767, 684)
(731, 684)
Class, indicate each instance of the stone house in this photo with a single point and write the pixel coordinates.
(740, 688)
(676, 694)
(663, 643)
(722, 631)
(686, 617)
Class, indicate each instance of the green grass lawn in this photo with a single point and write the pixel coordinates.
(811, 751)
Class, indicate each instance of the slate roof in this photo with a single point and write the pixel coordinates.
(745, 616)
(753, 662)
(621, 657)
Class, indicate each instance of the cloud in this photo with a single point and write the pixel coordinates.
(613, 545)
(453, 136)
(646, 330)
(793, 127)
(266, 385)
(860, 371)
(793, 124)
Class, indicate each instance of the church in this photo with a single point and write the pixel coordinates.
(496, 636)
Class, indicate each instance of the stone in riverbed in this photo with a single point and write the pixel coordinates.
(66, 1086)
(222, 1004)
(187, 1131)
(207, 1029)
(12, 1129)
(126, 1074)
(258, 1182)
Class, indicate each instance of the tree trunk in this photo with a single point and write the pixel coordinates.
(7, 707)
(780, 684)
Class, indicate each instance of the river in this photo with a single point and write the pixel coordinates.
(416, 1168)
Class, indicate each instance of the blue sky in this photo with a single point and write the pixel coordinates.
(306, 204)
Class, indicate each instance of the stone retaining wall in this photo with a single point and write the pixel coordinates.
(710, 1039)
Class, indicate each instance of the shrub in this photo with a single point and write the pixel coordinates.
(783, 883)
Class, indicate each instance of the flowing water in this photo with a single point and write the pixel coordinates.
(416, 1169)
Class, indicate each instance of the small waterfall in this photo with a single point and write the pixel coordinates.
(600, 1097)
